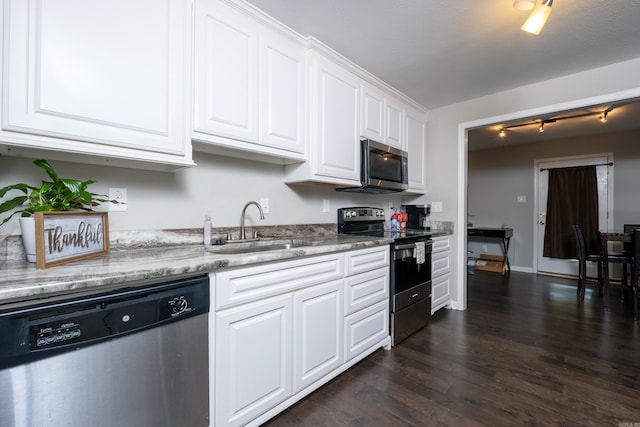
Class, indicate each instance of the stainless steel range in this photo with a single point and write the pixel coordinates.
(410, 269)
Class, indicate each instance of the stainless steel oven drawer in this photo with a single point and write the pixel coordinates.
(410, 296)
(411, 319)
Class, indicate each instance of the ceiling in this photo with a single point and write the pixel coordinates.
(440, 52)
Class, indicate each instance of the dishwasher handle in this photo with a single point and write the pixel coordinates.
(41, 331)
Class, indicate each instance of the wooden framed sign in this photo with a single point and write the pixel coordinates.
(63, 237)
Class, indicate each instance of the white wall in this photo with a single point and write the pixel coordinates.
(446, 161)
(218, 186)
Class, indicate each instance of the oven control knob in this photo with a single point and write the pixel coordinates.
(352, 214)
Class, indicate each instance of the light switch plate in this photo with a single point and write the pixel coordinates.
(264, 203)
(326, 205)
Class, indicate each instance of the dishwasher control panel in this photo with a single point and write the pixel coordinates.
(48, 329)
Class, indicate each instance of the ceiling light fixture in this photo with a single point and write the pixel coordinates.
(502, 133)
(524, 4)
(538, 17)
(541, 127)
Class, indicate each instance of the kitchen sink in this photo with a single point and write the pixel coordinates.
(246, 248)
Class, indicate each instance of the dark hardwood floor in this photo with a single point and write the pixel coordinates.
(525, 352)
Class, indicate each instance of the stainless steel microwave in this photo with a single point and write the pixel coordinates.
(383, 169)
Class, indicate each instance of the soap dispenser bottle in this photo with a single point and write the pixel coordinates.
(207, 230)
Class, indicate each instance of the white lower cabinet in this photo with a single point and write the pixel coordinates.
(317, 333)
(440, 272)
(283, 329)
(253, 359)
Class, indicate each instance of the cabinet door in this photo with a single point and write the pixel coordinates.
(440, 292)
(394, 115)
(253, 356)
(372, 120)
(226, 98)
(334, 133)
(317, 333)
(100, 74)
(416, 131)
(282, 92)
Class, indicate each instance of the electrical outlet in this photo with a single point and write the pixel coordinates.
(264, 203)
(436, 206)
(522, 199)
(326, 205)
(485, 249)
(120, 195)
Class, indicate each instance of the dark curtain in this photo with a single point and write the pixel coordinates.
(572, 198)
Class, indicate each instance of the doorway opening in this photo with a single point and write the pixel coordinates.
(463, 155)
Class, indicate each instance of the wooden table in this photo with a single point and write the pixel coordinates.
(605, 238)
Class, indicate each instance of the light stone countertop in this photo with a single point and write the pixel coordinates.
(21, 281)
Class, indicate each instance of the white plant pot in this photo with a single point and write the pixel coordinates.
(28, 227)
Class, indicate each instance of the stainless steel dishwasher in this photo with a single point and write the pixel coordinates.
(133, 357)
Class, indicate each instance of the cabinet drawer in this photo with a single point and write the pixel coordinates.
(367, 259)
(440, 263)
(441, 244)
(251, 283)
(365, 289)
(365, 328)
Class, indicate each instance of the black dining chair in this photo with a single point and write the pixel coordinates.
(596, 256)
(628, 229)
(583, 257)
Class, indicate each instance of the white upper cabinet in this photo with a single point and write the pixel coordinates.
(226, 83)
(394, 114)
(372, 120)
(415, 136)
(249, 84)
(99, 78)
(381, 117)
(282, 92)
(334, 155)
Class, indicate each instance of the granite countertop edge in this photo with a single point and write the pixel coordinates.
(21, 281)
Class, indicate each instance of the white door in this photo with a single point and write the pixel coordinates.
(605, 206)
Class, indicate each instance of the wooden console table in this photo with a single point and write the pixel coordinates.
(503, 234)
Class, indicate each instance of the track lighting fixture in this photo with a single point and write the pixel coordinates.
(602, 116)
(538, 17)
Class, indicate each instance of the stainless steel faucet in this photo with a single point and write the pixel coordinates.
(242, 234)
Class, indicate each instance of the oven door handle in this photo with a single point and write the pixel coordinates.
(412, 246)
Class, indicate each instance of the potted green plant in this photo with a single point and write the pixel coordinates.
(59, 194)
